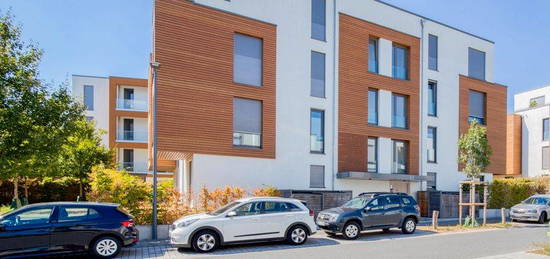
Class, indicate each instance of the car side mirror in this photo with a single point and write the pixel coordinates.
(367, 209)
(232, 214)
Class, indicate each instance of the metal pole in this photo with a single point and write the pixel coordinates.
(155, 66)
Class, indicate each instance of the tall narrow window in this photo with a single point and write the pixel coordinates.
(372, 155)
(128, 128)
(247, 60)
(89, 97)
(317, 74)
(317, 176)
(476, 64)
(373, 55)
(318, 19)
(546, 129)
(399, 165)
(432, 144)
(399, 111)
(317, 131)
(432, 181)
(546, 158)
(128, 159)
(400, 62)
(128, 98)
(432, 98)
(247, 122)
(432, 52)
(476, 107)
(373, 106)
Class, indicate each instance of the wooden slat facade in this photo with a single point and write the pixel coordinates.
(513, 144)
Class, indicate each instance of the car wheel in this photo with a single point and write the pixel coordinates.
(386, 230)
(542, 217)
(205, 241)
(409, 226)
(297, 235)
(106, 247)
(351, 230)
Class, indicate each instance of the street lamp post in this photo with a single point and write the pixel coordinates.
(154, 65)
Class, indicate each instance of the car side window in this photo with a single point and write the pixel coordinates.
(68, 214)
(36, 216)
(251, 208)
(274, 207)
(393, 202)
(292, 207)
(376, 204)
(407, 201)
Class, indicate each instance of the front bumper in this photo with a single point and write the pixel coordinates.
(179, 237)
(524, 216)
(332, 227)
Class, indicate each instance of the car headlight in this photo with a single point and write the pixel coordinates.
(532, 211)
(186, 223)
(329, 217)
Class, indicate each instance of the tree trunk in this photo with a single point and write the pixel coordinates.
(81, 191)
(16, 187)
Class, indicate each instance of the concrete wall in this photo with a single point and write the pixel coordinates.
(100, 113)
(531, 141)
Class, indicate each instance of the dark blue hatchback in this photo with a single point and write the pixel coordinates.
(373, 210)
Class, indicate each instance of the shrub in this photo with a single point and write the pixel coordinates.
(505, 193)
(4, 209)
(209, 201)
(268, 191)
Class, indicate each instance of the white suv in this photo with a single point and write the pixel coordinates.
(245, 220)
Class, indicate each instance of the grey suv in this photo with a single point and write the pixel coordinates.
(372, 210)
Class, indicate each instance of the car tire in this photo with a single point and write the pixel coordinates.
(205, 241)
(542, 217)
(351, 230)
(297, 235)
(106, 247)
(409, 226)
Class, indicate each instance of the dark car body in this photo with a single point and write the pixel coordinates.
(383, 216)
(62, 227)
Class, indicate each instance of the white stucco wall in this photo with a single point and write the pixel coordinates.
(532, 142)
(100, 113)
(140, 96)
(523, 99)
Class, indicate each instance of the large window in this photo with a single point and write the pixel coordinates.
(128, 129)
(432, 52)
(373, 55)
(400, 67)
(317, 131)
(476, 64)
(476, 107)
(89, 97)
(546, 158)
(317, 74)
(373, 107)
(128, 159)
(247, 122)
(317, 176)
(399, 111)
(432, 98)
(546, 129)
(432, 144)
(399, 165)
(318, 19)
(247, 60)
(372, 155)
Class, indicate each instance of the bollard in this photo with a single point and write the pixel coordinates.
(435, 216)
(502, 215)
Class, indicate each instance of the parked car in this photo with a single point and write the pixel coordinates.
(245, 220)
(534, 208)
(65, 227)
(374, 210)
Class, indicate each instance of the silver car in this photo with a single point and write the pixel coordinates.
(534, 208)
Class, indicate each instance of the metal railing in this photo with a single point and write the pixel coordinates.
(132, 135)
(131, 104)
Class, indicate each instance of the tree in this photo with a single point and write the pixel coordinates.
(474, 150)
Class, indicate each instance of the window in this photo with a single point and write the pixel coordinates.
(128, 98)
(399, 111)
(373, 107)
(251, 208)
(372, 154)
(432, 98)
(373, 55)
(317, 74)
(432, 181)
(408, 201)
(476, 107)
(89, 97)
(247, 122)
(432, 144)
(247, 60)
(36, 216)
(399, 165)
(476, 64)
(432, 52)
(546, 129)
(393, 202)
(317, 176)
(77, 214)
(128, 159)
(318, 19)
(278, 207)
(317, 131)
(400, 62)
(545, 158)
(536, 102)
(376, 204)
(128, 129)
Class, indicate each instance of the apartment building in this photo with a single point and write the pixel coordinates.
(529, 134)
(328, 95)
(119, 107)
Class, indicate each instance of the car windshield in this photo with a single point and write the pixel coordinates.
(536, 201)
(224, 208)
(356, 203)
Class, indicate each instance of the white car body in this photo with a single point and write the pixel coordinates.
(532, 211)
(265, 225)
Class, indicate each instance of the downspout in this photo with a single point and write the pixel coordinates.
(335, 72)
(421, 94)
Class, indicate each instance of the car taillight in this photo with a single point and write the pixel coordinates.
(311, 212)
(128, 223)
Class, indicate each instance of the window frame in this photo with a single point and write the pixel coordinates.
(470, 64)
(375, 154)
(434, 144)
(376, 92)
(313, 22)
(324, 74)
(376, 55)
(431, 66)
(406, 61)
(394, 145)
(477, 119)
(406, 112)
(323, 174)
(234, 67)
(86, 96)
(545, 129)
(261, 113)
(434, 177)
(322, 126)
(432, 87)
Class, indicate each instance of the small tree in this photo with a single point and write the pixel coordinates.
(474, 151)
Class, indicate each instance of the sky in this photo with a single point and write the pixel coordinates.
(113, 37)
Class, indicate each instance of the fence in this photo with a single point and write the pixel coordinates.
(444, 202)
(319, 200)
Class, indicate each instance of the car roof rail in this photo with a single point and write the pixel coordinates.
(381, 193)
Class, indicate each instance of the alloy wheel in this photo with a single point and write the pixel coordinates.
(298, 235)
(106, 247)
(352, 231)
(206, 242)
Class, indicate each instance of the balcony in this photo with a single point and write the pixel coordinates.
(131, 136)
(133, 167)
(132, 105)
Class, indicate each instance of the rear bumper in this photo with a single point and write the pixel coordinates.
(131, 237)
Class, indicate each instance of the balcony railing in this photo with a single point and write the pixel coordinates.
(131, 104)
(133, 167)
(132, 136)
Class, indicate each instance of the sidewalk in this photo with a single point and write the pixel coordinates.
(520, 255)
(454, 221)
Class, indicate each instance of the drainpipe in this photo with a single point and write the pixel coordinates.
(421, 97)
(335, 72)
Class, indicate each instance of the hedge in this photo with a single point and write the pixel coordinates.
(505, 193)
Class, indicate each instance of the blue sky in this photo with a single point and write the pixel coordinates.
(106, 37)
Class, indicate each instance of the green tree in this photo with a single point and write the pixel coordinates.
(474, 150)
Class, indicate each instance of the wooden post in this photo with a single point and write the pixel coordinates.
(502, 216)
(472, 201)
(484, 204)
(435, 221)
(460, 204)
